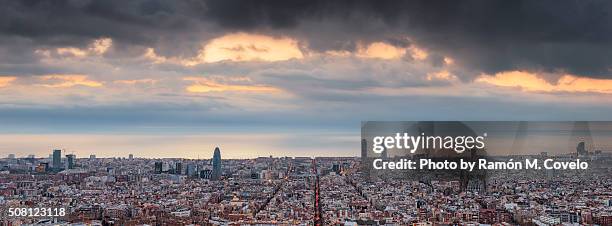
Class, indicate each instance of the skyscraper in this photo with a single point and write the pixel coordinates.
(581, 149)
(158, 167)
(57, 159)
(216, 162)
(70, 159)
(178, 168)
(336, 167)
(385, 153)
(191, 170)
(364, 148)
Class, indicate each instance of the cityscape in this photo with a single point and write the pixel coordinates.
(311, 112)
(272, 190)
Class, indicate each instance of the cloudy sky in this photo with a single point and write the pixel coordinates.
(296, 78)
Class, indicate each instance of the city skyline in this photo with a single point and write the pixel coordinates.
(296, 191)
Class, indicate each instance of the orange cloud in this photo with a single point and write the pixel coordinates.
(380, 50)
(136, 81)
(418, 53)
(441, 75)
(449, 61)
(100, 46)
(250, 47)
(152, 55)
(237, 47)
(338, 53)
(64, 81)
(6, 80)
(531, 82)
(205, 85)
(242, 47)
(71, 51)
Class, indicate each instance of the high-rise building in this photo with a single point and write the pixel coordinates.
(191, 170)
(178, 168)
(57, 159)
(11, 156)
(216, 162)
(158, 167)
(44, 167)
(581, 149)
(70, 159)
(206, 174)
(364, 148)
(92, 157)
(166, 166)
(336, 167)
(131, 156)
(365, 160)
(385, 153)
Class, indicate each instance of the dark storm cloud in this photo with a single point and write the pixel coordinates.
(490, 36)
(486, 36)
(75, 22)
(173, 28)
